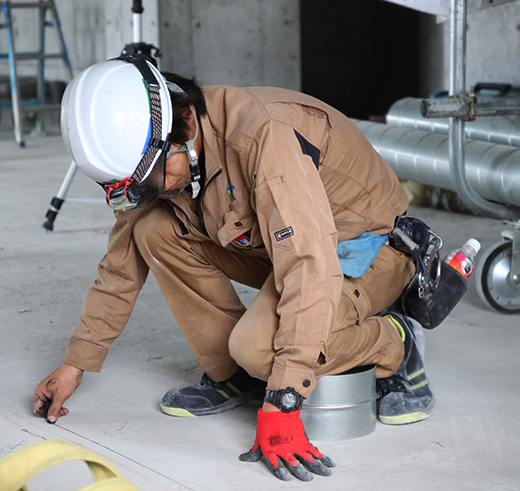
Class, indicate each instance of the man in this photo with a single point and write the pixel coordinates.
(270, 188)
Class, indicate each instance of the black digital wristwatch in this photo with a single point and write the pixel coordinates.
(286, 400)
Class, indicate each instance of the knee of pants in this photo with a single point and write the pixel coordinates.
(153, 230)
(254, 359)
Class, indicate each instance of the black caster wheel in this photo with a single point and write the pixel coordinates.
(494, 284)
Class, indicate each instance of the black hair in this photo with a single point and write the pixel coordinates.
(194, 97)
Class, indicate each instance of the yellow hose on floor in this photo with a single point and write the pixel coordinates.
(115, 484)
(21, 466)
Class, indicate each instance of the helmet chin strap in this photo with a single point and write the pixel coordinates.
(194, 159)
(189, 148)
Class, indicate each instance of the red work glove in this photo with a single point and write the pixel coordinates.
(281, 439)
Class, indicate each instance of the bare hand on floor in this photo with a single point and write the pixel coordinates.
(51, 393)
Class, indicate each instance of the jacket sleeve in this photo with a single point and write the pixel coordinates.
(298, 230)
(110, 299)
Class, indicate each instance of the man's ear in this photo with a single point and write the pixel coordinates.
(188, 117)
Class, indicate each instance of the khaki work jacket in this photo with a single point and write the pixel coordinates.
(296, 173)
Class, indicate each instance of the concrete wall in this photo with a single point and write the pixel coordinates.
(493, 48)
(493, 45)
(237, 42)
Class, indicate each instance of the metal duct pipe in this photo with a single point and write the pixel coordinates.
(493, 171)
(495, 129)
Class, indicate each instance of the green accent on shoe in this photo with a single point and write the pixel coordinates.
(232, 387)
(403, 419)
(223, 394)
(401, 330)
(418, 386)
(416, 374)
(177, 411)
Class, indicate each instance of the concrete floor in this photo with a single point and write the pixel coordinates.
(471, 442)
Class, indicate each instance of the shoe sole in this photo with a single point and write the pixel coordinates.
(176, 411)
(404, 419)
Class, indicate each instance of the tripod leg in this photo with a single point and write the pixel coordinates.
(58, 200)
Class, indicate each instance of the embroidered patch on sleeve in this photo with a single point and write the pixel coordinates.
(283, 234)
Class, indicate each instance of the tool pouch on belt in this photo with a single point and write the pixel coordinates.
(436, 287)
(431, 309)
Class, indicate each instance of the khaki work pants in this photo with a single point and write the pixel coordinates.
(195, 279)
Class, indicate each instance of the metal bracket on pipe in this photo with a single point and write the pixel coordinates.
(467, 107)
(471, 101)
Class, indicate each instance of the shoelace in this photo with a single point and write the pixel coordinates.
(205, 380)
(384, 386)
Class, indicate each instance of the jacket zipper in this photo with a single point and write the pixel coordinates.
(203, 232)
(199, 208)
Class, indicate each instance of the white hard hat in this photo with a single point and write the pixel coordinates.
(116, 116)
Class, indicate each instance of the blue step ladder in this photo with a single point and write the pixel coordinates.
(47, 8)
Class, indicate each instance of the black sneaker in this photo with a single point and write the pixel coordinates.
(406, 396)
(209, 397)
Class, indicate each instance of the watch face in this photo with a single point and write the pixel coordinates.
(289, 400)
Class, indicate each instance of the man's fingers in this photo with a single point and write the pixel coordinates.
(48, 407)
(251, 456)
(284, 471)
(316, 467)
(280, 472)
(41, 405)
(37, 404)
(55, 409)
(299, 471)
(54, 412)
(326, 461)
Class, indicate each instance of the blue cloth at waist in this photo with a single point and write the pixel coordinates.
(356, 255)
